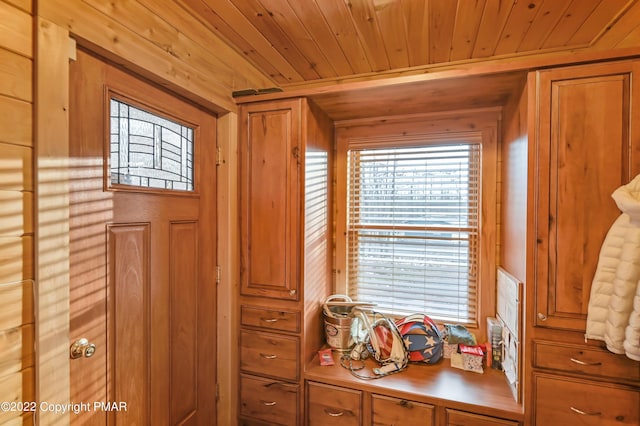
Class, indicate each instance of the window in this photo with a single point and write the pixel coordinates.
(413, 229)
(416, 207)
(149, 151)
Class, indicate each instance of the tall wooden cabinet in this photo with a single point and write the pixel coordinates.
(584, 142)
(286, 242)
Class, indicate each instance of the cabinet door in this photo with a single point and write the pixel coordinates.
(270, 199)
(460, 418)
(332, 405)
(388, 411)
(262, 400)
(269, 354)
(568, 401)
(587, 147)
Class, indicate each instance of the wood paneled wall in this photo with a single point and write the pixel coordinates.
(16, 206)
(160, 42)
(514, 174)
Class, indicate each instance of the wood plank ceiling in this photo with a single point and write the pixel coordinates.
(301, 41)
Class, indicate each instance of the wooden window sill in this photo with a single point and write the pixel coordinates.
(438, 384)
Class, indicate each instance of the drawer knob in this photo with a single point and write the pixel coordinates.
(541, 316)
(333, 413)
(268, 356)
(591, 364)
(406, 404)
(584, 413)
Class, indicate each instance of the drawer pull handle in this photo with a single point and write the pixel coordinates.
(593, 364)
(269, 403)
(334, 413)
(269, 319)
(584, 413)
(268, 356)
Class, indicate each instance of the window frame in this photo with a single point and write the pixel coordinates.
(166, 112)
(361, 232)
(405, 132)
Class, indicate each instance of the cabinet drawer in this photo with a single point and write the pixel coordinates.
(331, 405)
(270, 319)
(460, 418)
(584, 360)
(268, 401)
(565, 401)
(394, 411)
(269, 354)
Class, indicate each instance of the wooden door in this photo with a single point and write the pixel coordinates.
(587, 147)
(270, 176)
(142, 258)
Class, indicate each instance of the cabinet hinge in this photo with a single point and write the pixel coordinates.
(218, 156)
(218, 274)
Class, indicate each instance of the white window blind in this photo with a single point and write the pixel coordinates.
(413, 231)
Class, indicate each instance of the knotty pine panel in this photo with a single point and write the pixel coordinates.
(278, 20)
(308, 14)
(170, 55)
(16, 29)
(628, 30)
(370, 35)
(16, 208)
(16, 213)
(16, 387)
(225, 60)
(391, 20)
(17, 307)
(182, 39)
(16, 262)
(520, 18)
(494, 16)
(548, 15)
(226, 19)
(25, 5)
(441, 22)
(416, 15)
(341, 23)
(16, 168)
(15, 76)
(623, 27)
(16, 121)
(16, 349)
(599, 18)
(468, 18)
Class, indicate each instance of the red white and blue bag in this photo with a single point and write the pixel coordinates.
(383, 342)
(422, 338)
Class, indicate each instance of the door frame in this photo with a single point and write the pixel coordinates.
(54, 48)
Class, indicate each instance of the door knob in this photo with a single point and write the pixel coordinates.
(80, 348)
